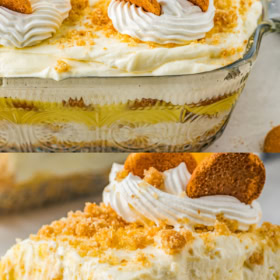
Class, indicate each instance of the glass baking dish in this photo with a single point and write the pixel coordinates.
(124, 114)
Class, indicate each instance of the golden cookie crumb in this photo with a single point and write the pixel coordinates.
(172, 241)
(122, 174)
(257, 258)
(62, 66)
(154, 178)
(99, 228)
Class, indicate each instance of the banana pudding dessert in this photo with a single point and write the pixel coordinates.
(38, 179)
(163, 216)
(121, 67)
(81, 38)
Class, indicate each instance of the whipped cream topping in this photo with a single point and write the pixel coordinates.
(110, 57)
(24, 30)
(135, 200)
(179, 22)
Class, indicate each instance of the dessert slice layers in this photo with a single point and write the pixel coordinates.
(149, 228)
(132, 124)
(31, 180)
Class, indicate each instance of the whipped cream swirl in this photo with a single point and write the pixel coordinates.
(24, 30)
(135, 200)
(179, 22)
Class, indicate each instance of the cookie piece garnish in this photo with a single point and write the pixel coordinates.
(203, 4)
(272, 141)
(20, 6)
(151, 6)
(199, 157)
(241, 175)
(154, 178)
(139, 162)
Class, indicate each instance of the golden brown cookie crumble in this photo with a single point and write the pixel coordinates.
(154, 178)
(92, 19)
(99, 228)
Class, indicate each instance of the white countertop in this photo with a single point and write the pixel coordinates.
(258, 108)
(21, 225)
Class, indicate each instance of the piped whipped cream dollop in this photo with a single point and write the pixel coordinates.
(179, 22)
(136, 200)
(24, 30)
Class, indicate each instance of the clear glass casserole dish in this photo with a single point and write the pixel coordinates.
(110, 114)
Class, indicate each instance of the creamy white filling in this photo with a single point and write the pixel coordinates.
(135, 200)
(227, 260)
(76, 132)
(24, 30)
(110, 57)
(179, 22)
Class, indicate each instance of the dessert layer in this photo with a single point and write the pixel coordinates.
(86, 246)
(23, 167)
(44, 189)
(177, 90)
(88, 45)
(123, 134)
(146, 111)
(32, 180)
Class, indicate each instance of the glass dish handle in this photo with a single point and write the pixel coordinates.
(272, 14)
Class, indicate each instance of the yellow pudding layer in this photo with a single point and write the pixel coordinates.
(151, 112)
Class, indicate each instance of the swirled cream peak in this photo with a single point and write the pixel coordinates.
(24, 30)
(179, 22)
(135, 200)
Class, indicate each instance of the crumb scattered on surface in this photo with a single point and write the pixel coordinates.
(257, 258)
(95, 19)
(62, 66)
(122, 174)
(153, 177)
(99, 228)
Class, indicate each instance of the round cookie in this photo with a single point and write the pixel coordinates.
(272, 141)
(151, 6)
(137, 163)
(20, 6)
(241, 175)
(203, 4)
(199, 157)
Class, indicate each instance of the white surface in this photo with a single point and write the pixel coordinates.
(258, 108)
(21, 225)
